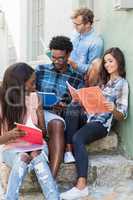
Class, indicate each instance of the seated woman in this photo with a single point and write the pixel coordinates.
(84, 128)
(90, 79)
(19, 103)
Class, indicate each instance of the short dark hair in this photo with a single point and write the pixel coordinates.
(87, 15)
(61, 43)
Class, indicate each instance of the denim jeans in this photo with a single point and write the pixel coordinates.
(20, 169)
(79, 132)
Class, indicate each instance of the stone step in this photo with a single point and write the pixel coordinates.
(104, 170)
(121, 191)
(106, 144)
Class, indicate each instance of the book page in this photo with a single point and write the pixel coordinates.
(73, 92)
(20, 146)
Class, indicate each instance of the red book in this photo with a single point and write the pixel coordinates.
(33, 135)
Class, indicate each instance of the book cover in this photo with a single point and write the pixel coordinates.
(33, 134)
(91, 98)
(48, 99)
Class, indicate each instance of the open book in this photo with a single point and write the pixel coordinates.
(48, 99)
(33, 140)
(33, 134)
(91, 98)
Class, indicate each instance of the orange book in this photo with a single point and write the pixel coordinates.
(91, 98)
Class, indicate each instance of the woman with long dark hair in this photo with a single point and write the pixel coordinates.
(18, 103)
(84, 128)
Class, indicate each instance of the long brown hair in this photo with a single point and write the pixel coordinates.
(12, 93)
(119, 56)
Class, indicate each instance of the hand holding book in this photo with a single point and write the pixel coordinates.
(15, 133)
(31, 141)
(110, 106)
(91, 98)
(33, 135)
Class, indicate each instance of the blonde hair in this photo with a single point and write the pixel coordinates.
(87, 15)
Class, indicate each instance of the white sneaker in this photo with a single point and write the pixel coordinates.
(68, 157)
(74, 193)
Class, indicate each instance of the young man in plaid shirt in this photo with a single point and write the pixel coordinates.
(52, 78)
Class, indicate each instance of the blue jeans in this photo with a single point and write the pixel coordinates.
(79, 133)
(20, 169)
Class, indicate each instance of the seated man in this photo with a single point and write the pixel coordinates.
(52, 78)
(87, 44)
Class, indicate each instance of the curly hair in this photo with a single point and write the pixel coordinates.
(61, 43)
(87, 15)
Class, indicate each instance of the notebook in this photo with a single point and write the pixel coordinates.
(48, 99)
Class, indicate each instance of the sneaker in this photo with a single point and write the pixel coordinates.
(74, 193)
(69, 158)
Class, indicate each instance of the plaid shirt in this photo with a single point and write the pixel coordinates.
(114, 91)
(49, 80)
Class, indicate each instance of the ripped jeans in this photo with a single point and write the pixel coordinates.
(20, 169)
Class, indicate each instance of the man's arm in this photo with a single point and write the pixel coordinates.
(95, 51)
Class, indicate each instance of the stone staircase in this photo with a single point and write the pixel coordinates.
(109, 175)
(104, 170)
